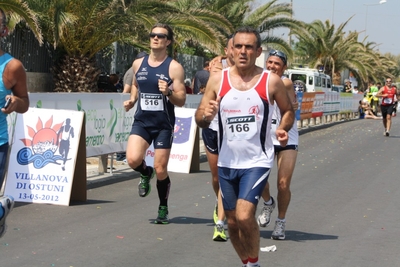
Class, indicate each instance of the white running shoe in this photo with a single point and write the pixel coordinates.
(264, 219)
(279, 230)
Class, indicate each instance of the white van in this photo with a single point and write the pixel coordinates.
(309, 80)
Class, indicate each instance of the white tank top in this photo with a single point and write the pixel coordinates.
(214, 123)
(276, 120)
(244, 125)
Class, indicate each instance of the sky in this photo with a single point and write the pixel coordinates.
(381, 21)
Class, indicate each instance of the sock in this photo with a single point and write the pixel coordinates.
(220, 222)
(253, 262)
(143, 169)
(281, 220)
(269, 202)
(244, 262)
(163, 190)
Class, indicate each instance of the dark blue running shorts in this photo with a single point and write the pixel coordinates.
(245, 184)
(210, 140)
(161, 138)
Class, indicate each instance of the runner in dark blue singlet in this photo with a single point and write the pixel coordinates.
(158, 85)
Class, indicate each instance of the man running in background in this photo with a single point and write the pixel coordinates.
(389, 97)
(210, 139)
(286, 156)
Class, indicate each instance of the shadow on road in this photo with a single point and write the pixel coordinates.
(90, 202)
(188, 220)
(300, 236)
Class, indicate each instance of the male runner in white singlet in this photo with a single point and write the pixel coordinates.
(243, 97)
(286, 156)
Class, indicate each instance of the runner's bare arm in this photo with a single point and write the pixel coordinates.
(14, 77)
(178, 94)
(216, 64)
(279, 95)
(292, 95)
(128, 104)
(209, 104)
(380, 92)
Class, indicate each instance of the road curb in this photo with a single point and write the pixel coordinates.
(122, 172)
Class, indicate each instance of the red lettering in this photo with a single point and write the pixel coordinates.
(150, 153)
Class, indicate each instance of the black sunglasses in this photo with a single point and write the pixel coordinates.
(388, 81)
(158, 35)
(279, 54)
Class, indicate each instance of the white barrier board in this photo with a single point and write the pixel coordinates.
(183, 143)
(43, 156)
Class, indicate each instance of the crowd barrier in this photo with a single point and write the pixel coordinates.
(51, 142)
(107, 125)
(318, 108)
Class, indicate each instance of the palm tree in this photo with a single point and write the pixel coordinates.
(80, 29)
(203, 28)
(18, 11)
(322, 46)
(265, 18)
(272, 16)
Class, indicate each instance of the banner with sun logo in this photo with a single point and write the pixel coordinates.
(43, 156)
(180, 158)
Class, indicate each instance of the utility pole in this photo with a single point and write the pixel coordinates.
(291, 16)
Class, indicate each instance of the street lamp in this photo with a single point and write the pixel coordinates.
(366, 13)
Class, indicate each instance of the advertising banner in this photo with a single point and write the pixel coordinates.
(43, 156)
(307, 106)
(182, 147)
(318, 105)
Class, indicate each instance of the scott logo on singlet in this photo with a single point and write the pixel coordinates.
(241, 119)
(162, 77)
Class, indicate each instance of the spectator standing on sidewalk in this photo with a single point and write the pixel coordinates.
(347, 86)
(128, 77)
(201, 77)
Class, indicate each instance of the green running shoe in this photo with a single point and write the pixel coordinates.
(219, 233)
(215, 214)
(162, 217)
(144, 185)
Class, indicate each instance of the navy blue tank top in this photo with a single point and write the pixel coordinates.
(154, 110)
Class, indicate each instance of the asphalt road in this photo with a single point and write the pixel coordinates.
(345, 211)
